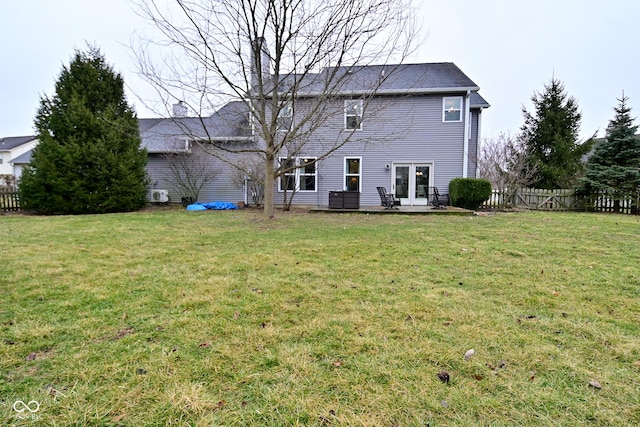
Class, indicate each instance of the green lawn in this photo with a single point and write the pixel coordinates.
(225, 318)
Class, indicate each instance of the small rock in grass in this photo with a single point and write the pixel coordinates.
(595, 384)
(469, 354)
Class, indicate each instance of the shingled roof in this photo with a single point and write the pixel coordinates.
(386, 80)
(11, 142)
(410, 78)
(231, 122)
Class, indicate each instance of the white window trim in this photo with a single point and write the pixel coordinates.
(252, 123)
(444, 103)
(360, 122)
(187, 145)
(347, 174)
(298, 174)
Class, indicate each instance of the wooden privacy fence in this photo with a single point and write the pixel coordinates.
(563, 200)
(601, 201)
(548, 200)
(9, 200)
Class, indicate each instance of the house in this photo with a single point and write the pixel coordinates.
(12, 149)
(420, 129)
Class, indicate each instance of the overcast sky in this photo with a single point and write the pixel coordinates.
(509, 48)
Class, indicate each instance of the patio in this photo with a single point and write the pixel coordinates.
(404, 210)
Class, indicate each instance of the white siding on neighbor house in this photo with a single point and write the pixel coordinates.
(17, 171)
(7, 168)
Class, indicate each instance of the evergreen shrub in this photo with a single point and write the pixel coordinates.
(469, 193)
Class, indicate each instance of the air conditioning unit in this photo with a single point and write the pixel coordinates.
(159, 196)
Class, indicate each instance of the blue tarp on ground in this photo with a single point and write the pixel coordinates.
(218, 206)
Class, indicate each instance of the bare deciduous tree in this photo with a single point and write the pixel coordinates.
(291, 62)
(188, 174)
(249, 173)
(505, 163)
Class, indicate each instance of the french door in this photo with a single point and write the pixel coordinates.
(411, 183)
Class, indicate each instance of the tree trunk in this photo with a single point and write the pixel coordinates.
(269, 184)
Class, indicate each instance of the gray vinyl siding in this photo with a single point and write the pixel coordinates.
(222, 189)
(401, 130)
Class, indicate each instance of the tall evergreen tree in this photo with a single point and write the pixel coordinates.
(615, 164)
(89, 158)
(550, 137)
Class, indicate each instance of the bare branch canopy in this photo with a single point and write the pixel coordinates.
(284, 62)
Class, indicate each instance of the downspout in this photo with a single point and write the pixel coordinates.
(245, 189)
(478, 141)
(465, 149)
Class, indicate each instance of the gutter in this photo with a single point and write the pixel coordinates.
(360, 92)
(226, 139)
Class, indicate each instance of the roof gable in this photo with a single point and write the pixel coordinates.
(23, 159)
(11, 142)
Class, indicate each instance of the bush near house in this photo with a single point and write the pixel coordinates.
(469, 193)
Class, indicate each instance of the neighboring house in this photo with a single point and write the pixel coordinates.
(422, 131)
(20, 162)
(11, 150)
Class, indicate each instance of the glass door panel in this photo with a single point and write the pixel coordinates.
(421, 194)
(411, 183)
(401, 185)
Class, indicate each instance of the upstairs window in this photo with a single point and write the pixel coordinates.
(285, 116)
(353, 114)
(452, 109)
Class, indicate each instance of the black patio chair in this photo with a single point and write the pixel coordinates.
(387, 200)
(439, 200)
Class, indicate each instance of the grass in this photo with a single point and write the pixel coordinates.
(225, 318)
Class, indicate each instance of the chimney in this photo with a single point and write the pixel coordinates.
(179, 109)
(260, 61)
